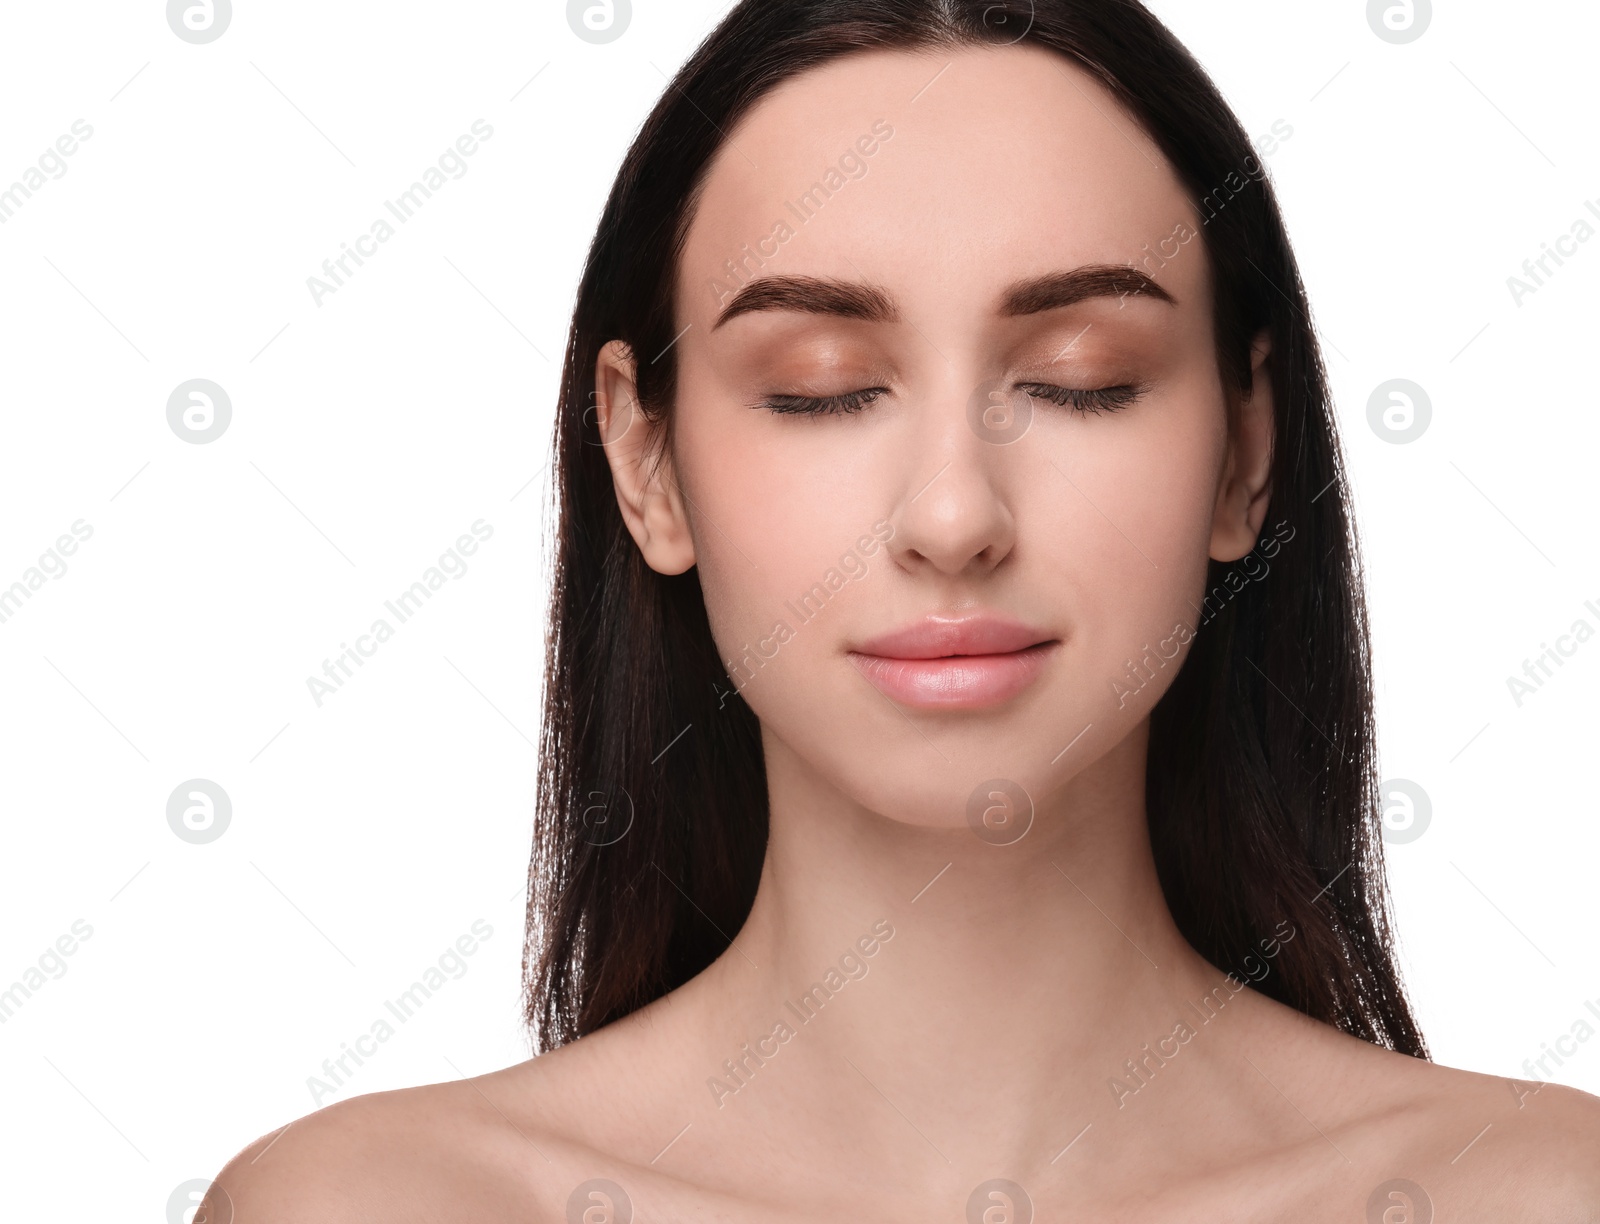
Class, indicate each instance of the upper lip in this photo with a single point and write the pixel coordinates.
(936, 637)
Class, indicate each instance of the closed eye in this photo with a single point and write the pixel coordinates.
(802, 405)
(1092, 399)
(1082, 400)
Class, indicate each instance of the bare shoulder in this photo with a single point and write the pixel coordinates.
(1485, 1147)
(1535, 1153)
(1476, 1146)
(467, 1149)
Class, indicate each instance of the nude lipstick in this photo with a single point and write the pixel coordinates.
(971, 662)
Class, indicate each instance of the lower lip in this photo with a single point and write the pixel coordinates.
(957, 682)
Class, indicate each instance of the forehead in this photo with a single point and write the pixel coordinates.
(941, 176)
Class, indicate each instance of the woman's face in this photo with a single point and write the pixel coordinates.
(1041, 437)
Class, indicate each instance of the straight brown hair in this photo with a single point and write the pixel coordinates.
(1262, 787)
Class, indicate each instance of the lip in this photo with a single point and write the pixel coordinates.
(964, 663)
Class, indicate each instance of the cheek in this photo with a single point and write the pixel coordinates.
(1133, 527)
(777, 515)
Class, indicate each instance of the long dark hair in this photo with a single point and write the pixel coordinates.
(1262, 787)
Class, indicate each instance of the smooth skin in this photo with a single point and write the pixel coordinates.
(980, 1040)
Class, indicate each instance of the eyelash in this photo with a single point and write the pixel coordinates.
(1093, 399)
(800, 405)
(1085, 401)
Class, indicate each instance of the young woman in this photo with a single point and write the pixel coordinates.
(958, 795)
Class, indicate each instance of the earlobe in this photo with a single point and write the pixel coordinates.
(1246, 486)
(642, 470)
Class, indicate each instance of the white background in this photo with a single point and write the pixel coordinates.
(370, 431)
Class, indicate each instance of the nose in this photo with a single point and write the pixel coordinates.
(953, 518)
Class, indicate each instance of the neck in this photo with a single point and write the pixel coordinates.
(988, 992)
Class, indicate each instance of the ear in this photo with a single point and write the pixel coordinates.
(1246, 483)
(641, 465)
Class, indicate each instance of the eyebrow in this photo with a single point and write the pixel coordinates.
(853, 300)
(1066, 288)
